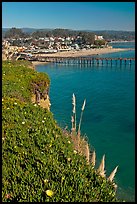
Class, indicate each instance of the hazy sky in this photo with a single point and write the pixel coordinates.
(70, 15)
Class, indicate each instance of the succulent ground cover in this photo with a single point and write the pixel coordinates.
(18, 82)
(39, 163)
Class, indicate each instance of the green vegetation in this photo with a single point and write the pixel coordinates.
(15, 33)
(39, 163)
(116, 35)
(107, 34)
(99, 43)
(19, 82)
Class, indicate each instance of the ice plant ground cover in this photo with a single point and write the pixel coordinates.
(18, 82)
(39, 163)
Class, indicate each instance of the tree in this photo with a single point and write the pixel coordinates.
(39, 34)
(15, 33)
(88, 38)
(100, 42)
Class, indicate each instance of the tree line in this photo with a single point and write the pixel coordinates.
(36, 33)
(84, 37)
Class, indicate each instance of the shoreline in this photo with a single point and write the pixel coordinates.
(80, 53)
(35, 63)
(122, 41)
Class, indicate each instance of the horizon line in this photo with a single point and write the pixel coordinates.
(68, 29)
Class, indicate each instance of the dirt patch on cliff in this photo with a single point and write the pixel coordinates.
(43, 103)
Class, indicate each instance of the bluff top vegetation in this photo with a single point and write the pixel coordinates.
(18, 33)
(39, 163)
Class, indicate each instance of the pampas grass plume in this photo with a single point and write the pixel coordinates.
(83, 107)
(87, 153)
(74, 103)
(93, 158)
(101, 168)
(111, 177)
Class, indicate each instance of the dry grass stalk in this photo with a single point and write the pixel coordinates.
(87, 153)
(74, 140)
(78, 141)
(115, 186)
(82, 109)
(74, 103)
(93, 158)
(82, 146)
(72, 121)
(74, 110)
(101, 168)
(111, 177)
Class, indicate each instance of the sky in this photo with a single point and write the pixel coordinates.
(69, 15)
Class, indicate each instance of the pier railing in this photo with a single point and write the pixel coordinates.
(85, 60)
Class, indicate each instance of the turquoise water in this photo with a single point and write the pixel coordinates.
(108, 119)
(123, 45)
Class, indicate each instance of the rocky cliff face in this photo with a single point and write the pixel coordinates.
(43, 103)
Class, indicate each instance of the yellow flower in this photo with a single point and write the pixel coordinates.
(46, 181)
(63, 178)
(49, 193)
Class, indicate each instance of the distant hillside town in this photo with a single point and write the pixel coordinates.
(17, 44)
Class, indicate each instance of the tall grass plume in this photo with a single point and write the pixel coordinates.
(101, 168)
(82, 110)
(82, 147)
(93, 158)
(74, 112)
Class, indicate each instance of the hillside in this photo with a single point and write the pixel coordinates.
(116, 35)
(107, 34)
(39, 163)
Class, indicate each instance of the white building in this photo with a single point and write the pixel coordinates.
(99, 37)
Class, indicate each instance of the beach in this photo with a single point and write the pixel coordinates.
(81, 53)
(35, 63)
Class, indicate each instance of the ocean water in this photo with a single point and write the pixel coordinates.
(109, 115)
(123, 45)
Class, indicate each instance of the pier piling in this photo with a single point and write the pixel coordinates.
(86, 60)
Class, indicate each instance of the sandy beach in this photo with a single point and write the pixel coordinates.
(35, 63)
(81, 53)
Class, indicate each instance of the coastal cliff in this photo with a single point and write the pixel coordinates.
(39, 160)
(43, 103)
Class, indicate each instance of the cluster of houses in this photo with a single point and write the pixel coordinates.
(12, 47)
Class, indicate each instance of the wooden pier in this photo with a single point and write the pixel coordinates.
(87, 60)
